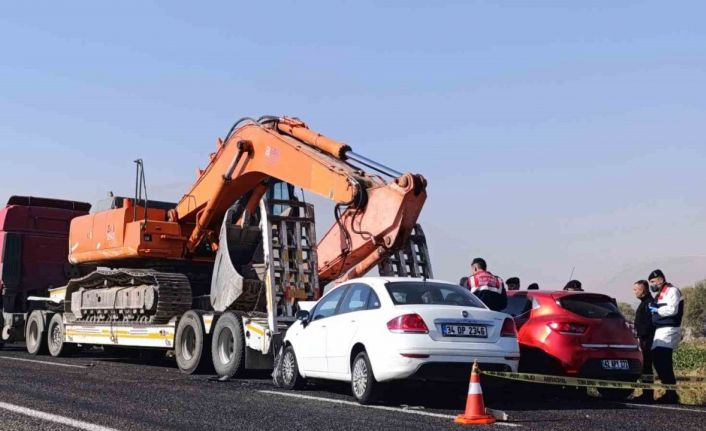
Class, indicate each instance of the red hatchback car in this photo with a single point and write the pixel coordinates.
(575, 334)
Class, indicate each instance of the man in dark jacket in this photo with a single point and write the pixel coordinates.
(513, 283)
(645, 330)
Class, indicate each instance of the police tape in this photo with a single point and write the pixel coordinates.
(584, 382)
(650, 378)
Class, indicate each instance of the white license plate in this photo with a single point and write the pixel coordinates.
(615, 364)
(454, 330)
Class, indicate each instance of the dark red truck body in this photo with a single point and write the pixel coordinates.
(34, 247)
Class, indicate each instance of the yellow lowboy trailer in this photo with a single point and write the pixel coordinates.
(89, 312)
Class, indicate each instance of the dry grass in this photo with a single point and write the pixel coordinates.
(694, 395)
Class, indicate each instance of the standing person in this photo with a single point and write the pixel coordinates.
(645, 330)
(533, 286)
(487, 287)
(513, 283)
(574, 285)
(667, 312)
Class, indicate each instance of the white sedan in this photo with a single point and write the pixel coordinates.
(378, 329)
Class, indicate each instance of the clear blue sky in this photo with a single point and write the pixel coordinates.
(553, 133)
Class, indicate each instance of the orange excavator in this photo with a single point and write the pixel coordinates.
(229, 262)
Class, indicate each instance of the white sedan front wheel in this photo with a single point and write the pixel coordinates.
(289, 370)
(363, 384)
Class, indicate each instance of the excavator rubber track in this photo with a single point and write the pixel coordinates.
(173, 291)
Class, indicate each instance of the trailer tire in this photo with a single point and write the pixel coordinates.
(189, 343)
(56, 337)
(228, 345)
(35, 340)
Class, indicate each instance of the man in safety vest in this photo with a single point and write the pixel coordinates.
(667, 312)
(487, 287)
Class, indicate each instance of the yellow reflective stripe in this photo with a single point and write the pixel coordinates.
(255, 329)
(118, 334)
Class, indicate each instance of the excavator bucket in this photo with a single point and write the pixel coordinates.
(238, 277)
(268, 266)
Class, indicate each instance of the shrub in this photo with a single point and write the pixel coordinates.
(690, 356)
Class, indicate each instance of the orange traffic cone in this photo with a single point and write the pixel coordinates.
(475, 407)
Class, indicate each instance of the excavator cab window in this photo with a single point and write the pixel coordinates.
(280, 191)
(103, 205)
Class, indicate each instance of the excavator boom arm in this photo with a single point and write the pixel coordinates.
(378, 216)
(250, 156)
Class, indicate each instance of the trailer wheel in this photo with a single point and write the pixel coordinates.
(35, 341)
(56, 337)
(228, 345)
(189, 345)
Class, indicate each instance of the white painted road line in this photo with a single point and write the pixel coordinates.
(387, 408)
(87, 426)
(651, 406)
(43, 362)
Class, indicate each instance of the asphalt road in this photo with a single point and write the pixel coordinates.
(97, 392)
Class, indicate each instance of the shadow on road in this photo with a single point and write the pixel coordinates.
(13, 348)
(498, 394)
(512, 397)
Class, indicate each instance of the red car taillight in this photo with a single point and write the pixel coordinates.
(408, 323)
(509, 329)
(567, 328)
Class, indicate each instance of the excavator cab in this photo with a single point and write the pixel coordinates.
(278, 195)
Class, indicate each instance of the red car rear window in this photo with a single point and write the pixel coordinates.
(593, 306)
(517, 305)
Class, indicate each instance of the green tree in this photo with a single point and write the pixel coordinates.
(695, 308)
(627, 311)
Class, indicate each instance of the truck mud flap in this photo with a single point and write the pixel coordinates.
(276, 374)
